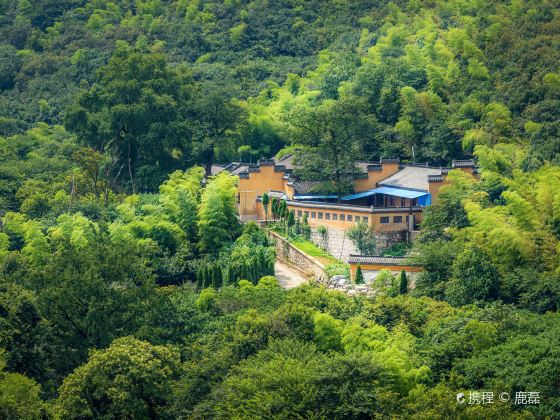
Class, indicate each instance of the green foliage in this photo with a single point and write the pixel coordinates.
(327, 332)
(151, 88)
(137, 100)
(363, 237)
(332, 133)
(143, 388)
(337, 269)
(20, 398)
(474, 278)
(359, 278)
(216, 214)
(206, 300)
(403, 283)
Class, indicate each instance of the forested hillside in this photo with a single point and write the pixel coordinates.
(128, 288)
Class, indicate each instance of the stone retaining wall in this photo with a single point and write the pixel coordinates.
(309, 265)
(336, 243)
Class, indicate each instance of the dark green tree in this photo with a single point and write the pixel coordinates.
(136, 113)
(363, 237)
(142, 388)
(265, 204)
(403, 283)
(475, 278)
(217, 119)
(334, 135)
(359, 277)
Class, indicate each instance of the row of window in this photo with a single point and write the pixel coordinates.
(332, 216)
(348, 217)
(396, 219)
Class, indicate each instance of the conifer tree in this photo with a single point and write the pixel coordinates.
(274, 207)
(359, 279)
(265, 203)
(216, 276)
(403, 283)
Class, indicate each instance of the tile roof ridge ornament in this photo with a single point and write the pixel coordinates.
(465, 163)
(266, 162)
(389, 160)
(374, 167)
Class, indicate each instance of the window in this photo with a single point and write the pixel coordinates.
(349, 218)
(299, 213)
(328, 216)
(357, 219)
(403, 202)
(384, 220)
(364, 219)
(342, 217)
(320, 215)
(313, 215)
(306, 213)
(335, 216)
(397, 219)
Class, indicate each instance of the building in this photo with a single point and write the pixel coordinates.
(387, 195)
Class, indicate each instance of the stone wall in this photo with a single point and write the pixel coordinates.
(336, 243)
(309, 265)
(388, 239)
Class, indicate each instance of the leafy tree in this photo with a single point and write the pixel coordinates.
(217, 222)
(135, 113)
(217, 117)
(334, 134)
(91, 288)
(327, 332)
(19, 396)
(142, 389)
(363, 237)
(474, 278)
(25, 334)
(10, 64)
(276, 391)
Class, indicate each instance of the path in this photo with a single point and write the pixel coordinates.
(288, 276)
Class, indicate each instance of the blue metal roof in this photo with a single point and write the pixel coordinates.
(397, 192)
(313, 197)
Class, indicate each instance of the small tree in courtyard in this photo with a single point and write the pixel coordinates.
(291, 219)
(305, 229)
(359, 278)
(363, 237)
(265, 203)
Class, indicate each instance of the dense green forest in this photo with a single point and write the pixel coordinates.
(128, 289)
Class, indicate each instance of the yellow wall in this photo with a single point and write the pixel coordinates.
(369, 183)
(257, 184)
(373, 218)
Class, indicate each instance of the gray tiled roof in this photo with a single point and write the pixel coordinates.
(240, 168)
(375, 259)
(411, 177)
(216, 169)
(305, 187)
(469, 163)
(287, 161)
